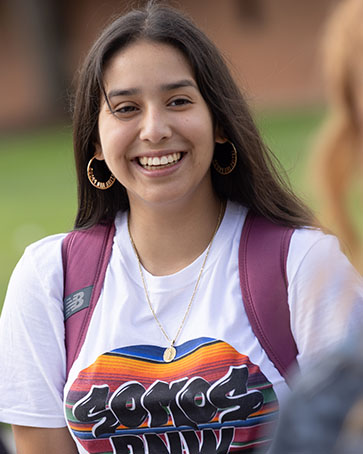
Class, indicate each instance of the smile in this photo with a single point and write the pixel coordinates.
(153, 163)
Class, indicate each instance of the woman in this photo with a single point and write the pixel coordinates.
(338, 157)
(158, 112)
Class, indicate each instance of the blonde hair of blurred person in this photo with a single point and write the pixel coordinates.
(338, 155)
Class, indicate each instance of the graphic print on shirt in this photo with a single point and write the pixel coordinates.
(210, 400)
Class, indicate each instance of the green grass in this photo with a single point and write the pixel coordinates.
(37, 179)
(37, 192)
(290, 135)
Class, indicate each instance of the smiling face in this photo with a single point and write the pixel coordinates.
(156, 135)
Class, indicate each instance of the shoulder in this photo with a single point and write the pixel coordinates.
(41, 262)
(45, 251)
(316, 264)
(315, 249)
(32, 326)
(51, 244)
(325, 291)
(306, 237)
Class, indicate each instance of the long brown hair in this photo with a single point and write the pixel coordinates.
(255, 182)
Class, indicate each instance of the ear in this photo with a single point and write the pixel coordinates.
(99, 153)
(219, 139)
(219, 136)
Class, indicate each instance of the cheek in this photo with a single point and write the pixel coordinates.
(113, 141)
(200, 131)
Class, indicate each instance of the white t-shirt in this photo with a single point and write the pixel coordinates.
(219, 391)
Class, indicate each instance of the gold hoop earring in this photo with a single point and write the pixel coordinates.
(93, 180)
(225, 170)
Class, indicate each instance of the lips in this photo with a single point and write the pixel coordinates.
(159, 162)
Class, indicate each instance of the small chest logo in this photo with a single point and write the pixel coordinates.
(77, 301)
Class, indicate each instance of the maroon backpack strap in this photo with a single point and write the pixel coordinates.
(85, 254)
(262, 266)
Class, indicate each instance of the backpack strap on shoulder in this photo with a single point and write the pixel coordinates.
(85, 255)
(262, 266)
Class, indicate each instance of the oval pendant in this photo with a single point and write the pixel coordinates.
(169, 354)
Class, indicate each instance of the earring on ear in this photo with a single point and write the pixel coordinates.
(221, 159)
(93, 180)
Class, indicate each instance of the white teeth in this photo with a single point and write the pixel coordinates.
(148, 162)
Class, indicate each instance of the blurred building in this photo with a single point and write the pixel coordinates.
(271, 45)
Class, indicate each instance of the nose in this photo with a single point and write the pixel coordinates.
(155, 125)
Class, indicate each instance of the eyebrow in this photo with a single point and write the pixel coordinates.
(163, 87)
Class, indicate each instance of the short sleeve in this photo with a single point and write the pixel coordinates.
(32, 354)
(325, 293)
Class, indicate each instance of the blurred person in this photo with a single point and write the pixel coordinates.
(338, 157)
(170, 161)
(3, 448)
(324, 413)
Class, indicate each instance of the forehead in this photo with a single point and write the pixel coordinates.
(144, 61)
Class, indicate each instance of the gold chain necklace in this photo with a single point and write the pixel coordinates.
(170, 352)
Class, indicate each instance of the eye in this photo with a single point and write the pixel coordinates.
(180, 102)
(125, 111)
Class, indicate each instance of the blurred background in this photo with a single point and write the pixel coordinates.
(272, 47)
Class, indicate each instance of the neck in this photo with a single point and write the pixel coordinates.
(168, 238)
